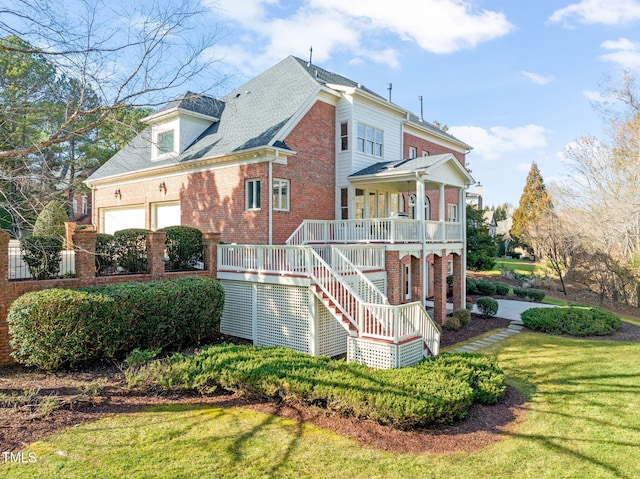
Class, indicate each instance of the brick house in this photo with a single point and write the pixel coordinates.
(340, 212)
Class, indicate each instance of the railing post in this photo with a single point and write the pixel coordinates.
(155, 254)
(395, 324)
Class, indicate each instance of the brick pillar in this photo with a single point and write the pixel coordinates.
(5, 299)
(69, 230)
(155, 254)
(440, 288)
(394, 276)
(459, 300)
(85, 246)
(416, 279)
(211, 241)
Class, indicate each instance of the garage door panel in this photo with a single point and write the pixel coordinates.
(116, 219)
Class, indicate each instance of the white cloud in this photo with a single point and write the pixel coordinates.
(623, 51)
(498, 141)
(594, 96)
(357, 27)
(523, 167)
(537, 78)
(607, 12)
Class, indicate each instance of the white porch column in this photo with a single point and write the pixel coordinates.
(419, 200)
(441, 217)
(462, 206)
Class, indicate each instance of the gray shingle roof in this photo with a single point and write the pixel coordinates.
(402, 166)
(250, 116)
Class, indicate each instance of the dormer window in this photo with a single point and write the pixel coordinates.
(165, 143)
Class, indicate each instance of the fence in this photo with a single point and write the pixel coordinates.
(82, 264)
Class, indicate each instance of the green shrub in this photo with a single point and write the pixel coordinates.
(471, 286)
(536, 295)
(575, 321)
(502, 289)
(105, 254)
(131, 250)
(42, 255)
(486, 288)
(450, 281)
(50, 221)
(453, 323)
(520, 292)
(54, 328)
(438, 390)
(184, 247)
(487, 306)
(463, 315)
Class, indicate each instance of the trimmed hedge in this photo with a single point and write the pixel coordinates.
(471, 286)
(42, 255)
(184, 247)
(574, 321)
(57, 327)
(536, 295)
(453, 323)
(463, 315)
(486, 288)
(437, 390)
(487, 306)
(520, 292)
(130, 248)
(502, 289)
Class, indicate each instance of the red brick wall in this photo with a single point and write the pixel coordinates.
(425, 145)
(214, 201)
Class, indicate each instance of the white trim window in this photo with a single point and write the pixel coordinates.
(344, 136)
(165, 142)
(452, 212)
(281, 189)
(370, 140)
(413, 152)
(85, 205)
(252, 194)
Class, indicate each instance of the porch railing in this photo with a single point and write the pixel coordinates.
(375, 230)
(362, 285)
(263, 259)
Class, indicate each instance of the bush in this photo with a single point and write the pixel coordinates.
(50, 221)
(131, 250)
(437, 390)
(471, 286)
(486, 288)
(536, 295)
(502, 289)
(450, 281)
(575, 321)
(453, 323)
(520, 292)
(463, 315)
(105, 254)
(54, 328)
(487, 306)
(42, 255)
(184, 247)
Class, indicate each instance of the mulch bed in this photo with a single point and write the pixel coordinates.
(20, 426)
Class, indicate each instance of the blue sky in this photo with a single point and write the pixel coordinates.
(516, 79)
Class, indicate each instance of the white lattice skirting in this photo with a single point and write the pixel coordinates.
(380, 355)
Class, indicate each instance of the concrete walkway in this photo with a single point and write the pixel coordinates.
(507, 309)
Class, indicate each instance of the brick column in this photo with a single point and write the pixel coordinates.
(69, 231)
(155, 254)
(5, 299)
(211, 241)
(416, 279)
(459, 300)
(394, 278)
(85, 248)
(440, 288)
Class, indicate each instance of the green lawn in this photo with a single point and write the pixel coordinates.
(582, 421)
(518, 265)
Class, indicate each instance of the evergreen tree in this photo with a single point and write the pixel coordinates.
(535, 204)
(481, 247)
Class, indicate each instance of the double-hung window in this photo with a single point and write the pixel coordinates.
(413, 152)
(252, 194)
(280, 194)
(452, 212)
(344, 136)
(370, 140)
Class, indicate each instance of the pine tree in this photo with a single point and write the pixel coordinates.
(535, 203)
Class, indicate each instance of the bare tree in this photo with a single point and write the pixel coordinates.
(130, 54)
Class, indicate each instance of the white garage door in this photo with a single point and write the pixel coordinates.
(116, 219)
(167, 215)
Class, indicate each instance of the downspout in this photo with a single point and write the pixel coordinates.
(463, 225)
(270, 196)
(423, 260)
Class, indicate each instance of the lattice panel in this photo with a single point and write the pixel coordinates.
(332, 336)
(283, 316)
(410, 353)
(238, 308)
(381, 284)
(373, 354)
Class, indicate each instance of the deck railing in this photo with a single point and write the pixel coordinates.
(375, 230)
(399, 322)
(366, 290)
(263, 259)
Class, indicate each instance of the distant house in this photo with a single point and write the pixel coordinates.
(490, 220)
(340, 211)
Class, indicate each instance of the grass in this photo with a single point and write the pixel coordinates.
(582, 421)
(521, 266)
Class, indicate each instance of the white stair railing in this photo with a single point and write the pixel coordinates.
(366, 290)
